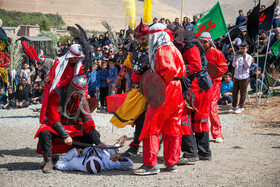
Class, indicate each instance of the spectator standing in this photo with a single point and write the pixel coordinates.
(188, 25)
(107, 40)
(113, 75)
(104, 89)
(276, 16)
(25, 72)
(242, 62)
(93, 81)
(58, 49)
(98, 54)
(241, 18)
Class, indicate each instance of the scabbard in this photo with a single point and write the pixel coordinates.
(94, 146)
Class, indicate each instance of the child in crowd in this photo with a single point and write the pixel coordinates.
(25, 72)
(33, 74)
(226, 89)
(104, 89)
(253, 77)
(113, 75)
(242, 62)
(11, 99)
(99, 64)
(38, 95)
(21, 97)
(93, 81)
(3, 98)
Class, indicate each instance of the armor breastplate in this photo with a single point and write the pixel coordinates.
(140, 60)
(62, 95)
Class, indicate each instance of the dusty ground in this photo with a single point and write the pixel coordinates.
(249, 155)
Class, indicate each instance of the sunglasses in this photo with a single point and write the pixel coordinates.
(98, 50)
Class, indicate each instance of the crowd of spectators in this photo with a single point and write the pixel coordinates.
(107, 62)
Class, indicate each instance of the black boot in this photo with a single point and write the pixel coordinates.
(48, 168)
(134, 147)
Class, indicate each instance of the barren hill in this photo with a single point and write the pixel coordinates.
(89, 13)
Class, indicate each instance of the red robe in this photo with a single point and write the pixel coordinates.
(65, 79)
(200, 101)
(53, 116)
(167, 119)
(216, 57)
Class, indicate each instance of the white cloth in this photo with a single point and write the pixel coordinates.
(157, 40)
(61, 67)
(207, 36)
(276, 14)
(242, 66)
(71, 161)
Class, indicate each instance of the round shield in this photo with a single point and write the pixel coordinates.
(92, 102)
(213, 70)
(153, 89)
(27, 50)
(33, 51)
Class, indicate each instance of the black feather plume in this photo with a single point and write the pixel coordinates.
(80, 37)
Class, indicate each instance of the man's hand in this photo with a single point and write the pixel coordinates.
(116, 157)
(80, 152)
(118, 82)
(47, 79)
(68, 141)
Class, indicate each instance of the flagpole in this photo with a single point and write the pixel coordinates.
(182, 1)
(257, 73)
(264, 67)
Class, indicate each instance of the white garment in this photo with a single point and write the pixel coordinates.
(71, 161)
(61, 67)
(242, 66)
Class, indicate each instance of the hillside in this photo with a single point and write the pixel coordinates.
(89, 13)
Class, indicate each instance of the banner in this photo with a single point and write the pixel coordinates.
(266, 18)
(235, 31)
(4, 55)
(253, 26)
(275, 48)
(213, 22)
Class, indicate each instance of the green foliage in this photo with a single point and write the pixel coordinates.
(65, 38)
(54, 38)
(14, 18)
(44, 25)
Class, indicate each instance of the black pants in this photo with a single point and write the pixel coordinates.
(196, 144)
(139, 123)
(46, 137)
(103, 93)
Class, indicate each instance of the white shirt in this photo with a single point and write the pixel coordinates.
(242, 66)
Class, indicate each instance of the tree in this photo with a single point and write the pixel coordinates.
(44, 25)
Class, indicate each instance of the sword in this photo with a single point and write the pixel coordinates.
(94, 146)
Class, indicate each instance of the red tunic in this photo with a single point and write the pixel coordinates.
(200, 101)
(167, 119)
(216, 57)
(53, 116)
(65, 79)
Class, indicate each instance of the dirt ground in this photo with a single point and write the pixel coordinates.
(249, 155)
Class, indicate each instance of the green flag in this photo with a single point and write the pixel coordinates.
(275, 47)
(213, 22)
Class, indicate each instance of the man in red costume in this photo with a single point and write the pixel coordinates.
(167, 61)
(61, 73)
(134, 108)
(216, 57)
(198, 97)
(67, 116)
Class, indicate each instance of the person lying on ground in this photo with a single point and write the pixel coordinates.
(94, 160)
